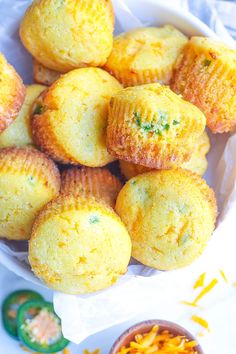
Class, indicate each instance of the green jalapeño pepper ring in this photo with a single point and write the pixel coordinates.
(11, 305)
(39, 328)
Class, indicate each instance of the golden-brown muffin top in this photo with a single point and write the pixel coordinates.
(169, 181)
(67, 34)
(70, 118)
(204, 74)
(19, 132)
(73, 249)
(152, 126)
(145, 55)
(31, 161)
(214, 50)
(28, 181)
(12, 93)
(170, 216)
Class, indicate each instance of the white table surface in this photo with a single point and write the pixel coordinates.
(222, 312)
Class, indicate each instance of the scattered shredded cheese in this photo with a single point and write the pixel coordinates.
(66, 351)
(161, 343)
(200, 281)
(27, 350)
(206, 290)
(224, 276)
(96, 351)
(188, 303)
(202, 333)
(199, 320)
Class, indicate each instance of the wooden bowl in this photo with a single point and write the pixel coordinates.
(146, 326)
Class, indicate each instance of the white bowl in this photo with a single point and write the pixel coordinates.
(156, 12)
(161, 14)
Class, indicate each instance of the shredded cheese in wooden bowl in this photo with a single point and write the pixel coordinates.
(156, 337)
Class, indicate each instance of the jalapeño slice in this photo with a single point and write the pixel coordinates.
(39, 328)
(11, 305)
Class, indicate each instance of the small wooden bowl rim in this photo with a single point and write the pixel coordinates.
(145, 326)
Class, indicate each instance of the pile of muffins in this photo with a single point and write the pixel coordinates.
(143, 99)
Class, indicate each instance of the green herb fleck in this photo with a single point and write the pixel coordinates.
(161, 124)
(38, 109)
(147, 127)
(166, 127)
(207, 62)
(183, 209)
(175, 122)
(162, 116)
(143, 195)
(150, 127)
(138, 118)
(133, 183)
(31, 179)
(184, 238)
(93, 219)
(59, 3)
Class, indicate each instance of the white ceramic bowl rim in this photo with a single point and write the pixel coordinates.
(183, 15)
(188, 17)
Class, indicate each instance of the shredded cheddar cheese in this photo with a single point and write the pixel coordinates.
(188, 303)
(162, 343)
(27, 350)
(206, 290)
(199, 320)
(222, 273)
(96, 351)
(200, 281)
(66, 351)
(202, 333)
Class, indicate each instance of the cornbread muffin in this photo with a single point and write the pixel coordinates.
(43, 75)
(198, 162)
(145, 55)
(170, 216)
(130, 170)
(91, 182)
(28, 181)
(152, 126)
(73, 130)
(19, 132)
(205, 74)
(12, 93)
(79, 245)
(66, 34)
